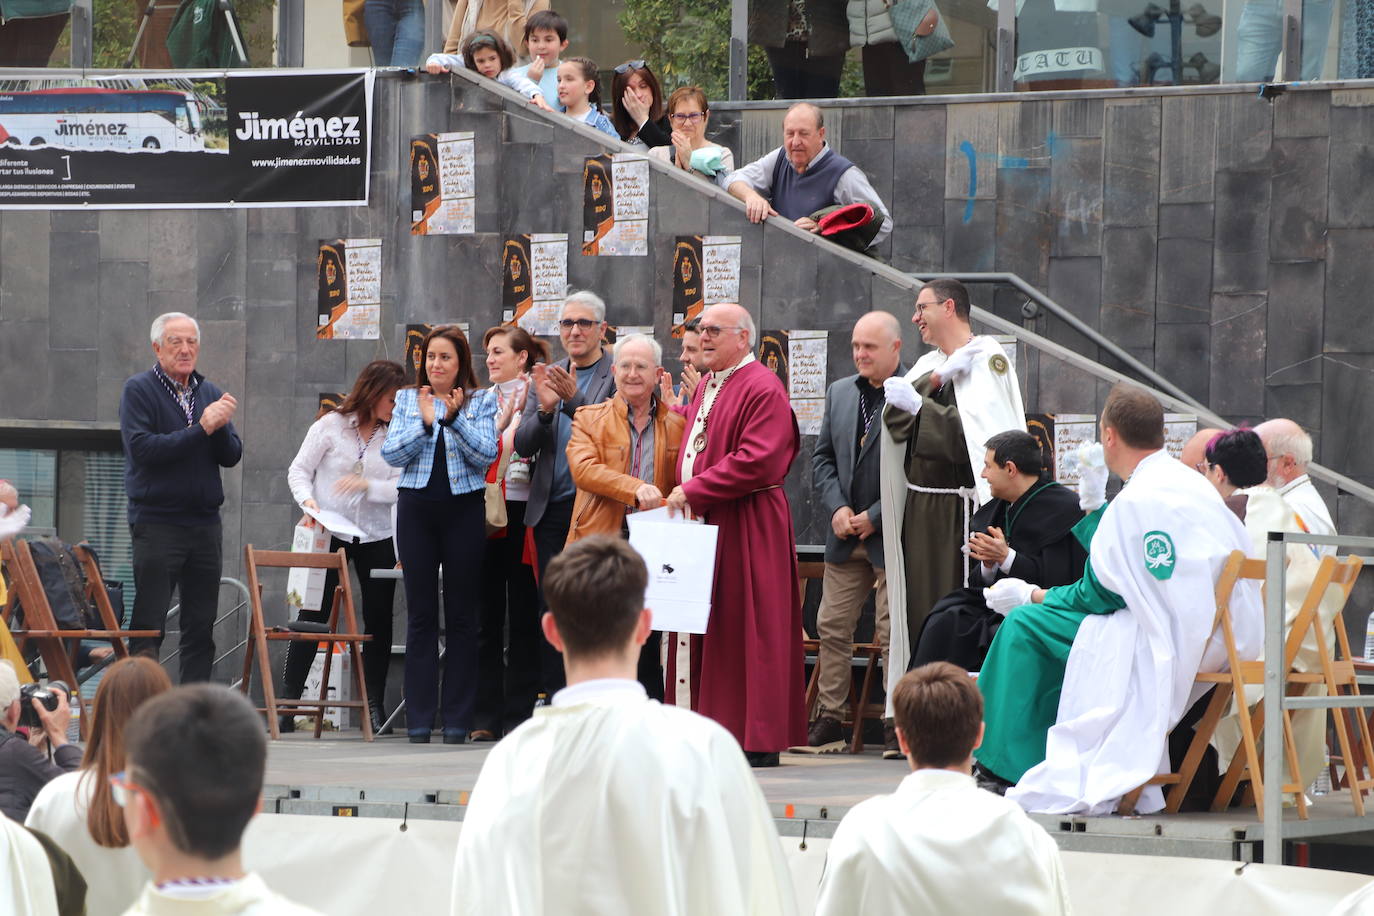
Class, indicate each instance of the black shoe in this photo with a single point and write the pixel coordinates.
(825, 735)
(286, 722)
(377, 714)
(418, 735)
(986, 779)
(891, 749)
(455, 736)
(762, 758)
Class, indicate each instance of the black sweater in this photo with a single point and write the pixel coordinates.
(24, 769)
(171, 470)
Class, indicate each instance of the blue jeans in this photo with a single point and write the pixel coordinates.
(1259, 38)
(396, 29)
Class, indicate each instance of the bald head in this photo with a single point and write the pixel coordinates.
(803, 134)
(1195, 449)
(877, 346)
(723, 350)
(1289, 449)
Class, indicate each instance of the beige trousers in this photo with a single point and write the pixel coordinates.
(845, 589)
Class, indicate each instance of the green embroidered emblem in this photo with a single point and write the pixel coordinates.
(1159, 555)
(998, 364)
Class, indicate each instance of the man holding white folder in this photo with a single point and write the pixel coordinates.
(746, 670)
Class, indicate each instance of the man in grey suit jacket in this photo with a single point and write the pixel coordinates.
(845, 471)
(583, 377)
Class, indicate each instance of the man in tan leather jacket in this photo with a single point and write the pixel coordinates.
(623, 457)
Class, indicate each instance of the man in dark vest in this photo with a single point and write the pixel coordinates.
(1024, 531)
(804, 175)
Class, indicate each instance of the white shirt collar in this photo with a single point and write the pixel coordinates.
(597, 689)
(1293, 484)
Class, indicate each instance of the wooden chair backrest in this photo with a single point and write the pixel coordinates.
(255, 559)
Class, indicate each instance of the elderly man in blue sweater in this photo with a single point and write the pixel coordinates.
(177, 435)
(804, 175)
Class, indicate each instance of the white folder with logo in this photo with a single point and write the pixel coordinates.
(681, 557)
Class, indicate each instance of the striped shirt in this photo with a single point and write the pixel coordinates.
(469, 442)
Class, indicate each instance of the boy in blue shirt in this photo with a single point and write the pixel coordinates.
(546, 36)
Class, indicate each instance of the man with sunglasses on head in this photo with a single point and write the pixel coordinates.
(582, 377)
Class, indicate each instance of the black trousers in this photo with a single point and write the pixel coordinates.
(430, 535)
(799, 76)
(508, 633)
(184, 558)
(379, 604)
(888, 71)
(549, 537)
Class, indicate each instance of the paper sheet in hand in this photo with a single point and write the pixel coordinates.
(336, 523)
(681, 557)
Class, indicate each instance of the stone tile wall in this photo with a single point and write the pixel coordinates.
(1222, 238)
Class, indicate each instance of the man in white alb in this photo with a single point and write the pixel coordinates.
(607, 802)
(940, 844)
(1290, 451)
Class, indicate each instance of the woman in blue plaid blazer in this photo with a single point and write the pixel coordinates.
(443, 435)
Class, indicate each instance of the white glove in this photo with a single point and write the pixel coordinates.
(958, 364)
(902, 395)
(1005, 594)
(1092, 476)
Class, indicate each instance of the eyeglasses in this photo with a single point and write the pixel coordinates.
(922, 306)
(585, 324)
(688, 117)
(1203, 466)
(120, 788)
(713, 330)
(630, 65)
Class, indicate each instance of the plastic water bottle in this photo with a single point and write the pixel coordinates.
(1322, 784)
(1369, 637)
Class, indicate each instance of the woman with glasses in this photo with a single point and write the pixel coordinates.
(78, 809)
(637, 106)
(690, 150)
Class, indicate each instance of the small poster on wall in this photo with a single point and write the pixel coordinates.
(349, 289)
(615, 205)
(1070, 431)
(705, 271)
(443, 183)
(1178, 429)
(799, 359)
(1041, 426)
(534, 278)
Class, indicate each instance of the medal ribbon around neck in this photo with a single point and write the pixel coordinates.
(699, 440)
(362, 451)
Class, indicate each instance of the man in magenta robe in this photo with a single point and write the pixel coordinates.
(746, 671)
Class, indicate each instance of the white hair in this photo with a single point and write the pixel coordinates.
(9, 686)
(747, 322)
(160, 324)
(588, 298)
(654, 347)
(1298, 444)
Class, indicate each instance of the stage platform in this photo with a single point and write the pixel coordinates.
(343, 775)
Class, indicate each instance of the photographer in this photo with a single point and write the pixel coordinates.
(24, 768)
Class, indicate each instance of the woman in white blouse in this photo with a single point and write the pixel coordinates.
(339, 469)
(77, 810)
(508, 654)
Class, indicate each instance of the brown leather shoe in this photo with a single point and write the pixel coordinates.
(891, 749)
(483, 734)
(825, 735)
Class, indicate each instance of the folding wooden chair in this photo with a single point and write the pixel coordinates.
(341, 614)
(1338, 674)
(1225, 685)
(56, 646)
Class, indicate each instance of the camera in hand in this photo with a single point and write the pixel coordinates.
(43, 693)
